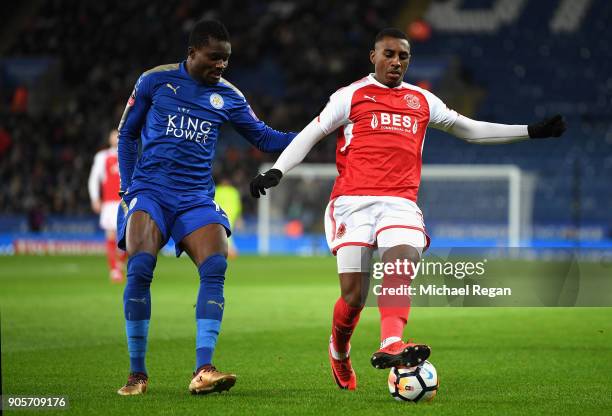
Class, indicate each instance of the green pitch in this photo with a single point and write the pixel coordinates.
(62, 334)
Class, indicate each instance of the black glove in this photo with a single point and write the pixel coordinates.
(552, 127)
(263, 181)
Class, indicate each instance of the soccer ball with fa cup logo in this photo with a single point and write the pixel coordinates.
(414, 384)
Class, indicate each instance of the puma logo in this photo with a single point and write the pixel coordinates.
(373, 98)
(212, 302)
(173, 88)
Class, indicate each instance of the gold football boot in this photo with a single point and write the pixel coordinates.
(207, 379)
(136, 384)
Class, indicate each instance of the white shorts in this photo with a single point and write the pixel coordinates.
(108, 215)
(358, 220)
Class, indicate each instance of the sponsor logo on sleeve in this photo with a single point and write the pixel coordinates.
(132, 99)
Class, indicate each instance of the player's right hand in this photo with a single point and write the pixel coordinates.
(264, 181)
(551, 127)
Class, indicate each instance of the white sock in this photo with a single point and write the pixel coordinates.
(389, 341)
(335, 354)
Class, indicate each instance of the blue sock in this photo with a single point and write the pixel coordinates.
(137, 307)
(209, 308)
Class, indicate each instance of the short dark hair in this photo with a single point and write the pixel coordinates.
(390, 32)
(206, 29)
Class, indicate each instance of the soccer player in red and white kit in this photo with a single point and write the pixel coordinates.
(381, 123)
(103, 187)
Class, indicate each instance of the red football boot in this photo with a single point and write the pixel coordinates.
(343, 373)
(400, 354)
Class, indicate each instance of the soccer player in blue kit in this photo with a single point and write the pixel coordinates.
(176, 110)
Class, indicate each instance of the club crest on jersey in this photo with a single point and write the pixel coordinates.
(341, 231)
(216, 101)
(412, 101)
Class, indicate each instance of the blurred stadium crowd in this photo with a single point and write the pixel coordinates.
(69, 66)
(291, 56)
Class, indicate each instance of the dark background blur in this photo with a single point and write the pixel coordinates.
(68, 67)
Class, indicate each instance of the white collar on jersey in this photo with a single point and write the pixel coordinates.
(373, 79)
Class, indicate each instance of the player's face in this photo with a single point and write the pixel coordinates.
(208, 62)
(390, 58)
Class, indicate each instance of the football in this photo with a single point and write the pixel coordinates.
(414, 384)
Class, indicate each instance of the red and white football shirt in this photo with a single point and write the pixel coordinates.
(104, 186)
(381, 135)
(104, 174)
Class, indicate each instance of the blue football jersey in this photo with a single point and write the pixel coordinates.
(178, 121)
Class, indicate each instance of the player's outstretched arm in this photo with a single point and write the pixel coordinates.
(290, 158)
(129, 131)
(258, 133)
(480, 132)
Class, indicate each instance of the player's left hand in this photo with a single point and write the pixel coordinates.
(263, 181)
(96, 206)
(551, 127)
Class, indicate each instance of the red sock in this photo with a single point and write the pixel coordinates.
(344, 322)
(393, 321)
(111, 253)
(394, 309)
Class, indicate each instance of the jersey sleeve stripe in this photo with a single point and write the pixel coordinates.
(161, 68)
(233, 87)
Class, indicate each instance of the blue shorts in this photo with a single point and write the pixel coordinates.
(176, 216)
